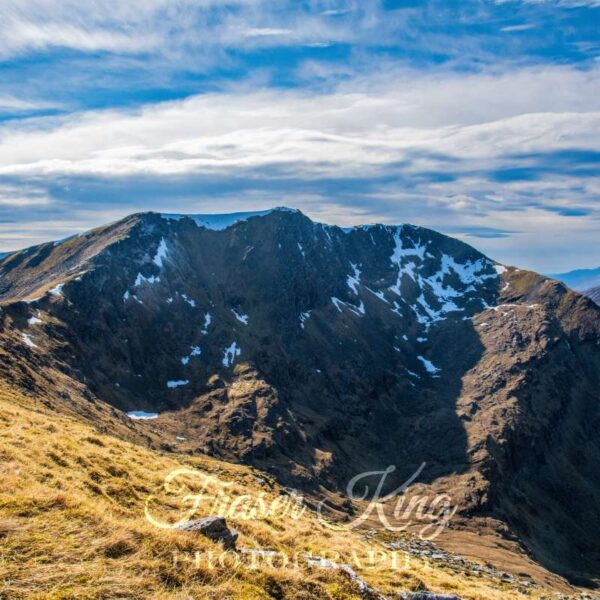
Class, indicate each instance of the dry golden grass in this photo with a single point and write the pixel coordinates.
(72, 525)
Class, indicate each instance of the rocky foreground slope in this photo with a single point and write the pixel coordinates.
(72, 525)
(316, 353)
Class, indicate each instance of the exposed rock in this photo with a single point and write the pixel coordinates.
(214, 528)
(431, 552)
(426, 596)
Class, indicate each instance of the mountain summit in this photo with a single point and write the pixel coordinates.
(317, 352)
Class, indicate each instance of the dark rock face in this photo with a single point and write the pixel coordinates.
(214, 528)
(319, 353)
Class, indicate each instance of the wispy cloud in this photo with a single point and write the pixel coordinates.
(559, 3)
(15, 197)
(264, 32)
(13, 105)
(524, 27)
(372, 121)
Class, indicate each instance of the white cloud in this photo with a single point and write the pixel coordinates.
(264, 32)
(14, 200)
(353, 130)
(22, 196)
(11, 104)
(175, 29)
(21, 36)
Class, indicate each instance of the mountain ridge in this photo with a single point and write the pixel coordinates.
(315, 353)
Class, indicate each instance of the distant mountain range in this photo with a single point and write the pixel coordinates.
(580, 279)
(316, 353)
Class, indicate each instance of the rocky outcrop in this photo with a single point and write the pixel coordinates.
(426, 596)
(215, 528)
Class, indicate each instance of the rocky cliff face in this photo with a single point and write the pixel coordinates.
(318, 352)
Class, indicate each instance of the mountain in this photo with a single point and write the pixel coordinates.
(594, 294)
(580, 279)
(316, 353)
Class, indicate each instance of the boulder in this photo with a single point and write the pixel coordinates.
(215, 528)
(426, 596)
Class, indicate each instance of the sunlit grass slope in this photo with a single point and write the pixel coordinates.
(72, 525)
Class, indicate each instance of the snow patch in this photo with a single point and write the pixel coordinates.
(240, 317)
(500, 269)
(207, 322)
(196, 351)
(161, 253)
(357, 310)
(27, 339)
(400, 252)
(429, 366)
(397, 309)
(353, 280)
(57, 291)
(230, 353)
(34, 321)
(140, 415)
(337, 303)
(127, 296)
(190, 301)
(304, 317)
(177, 383)
(441, 295)
(379, 295)
(141, 279)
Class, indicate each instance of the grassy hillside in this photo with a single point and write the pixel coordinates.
(72, 525)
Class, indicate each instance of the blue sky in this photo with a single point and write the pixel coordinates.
(479, 118)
